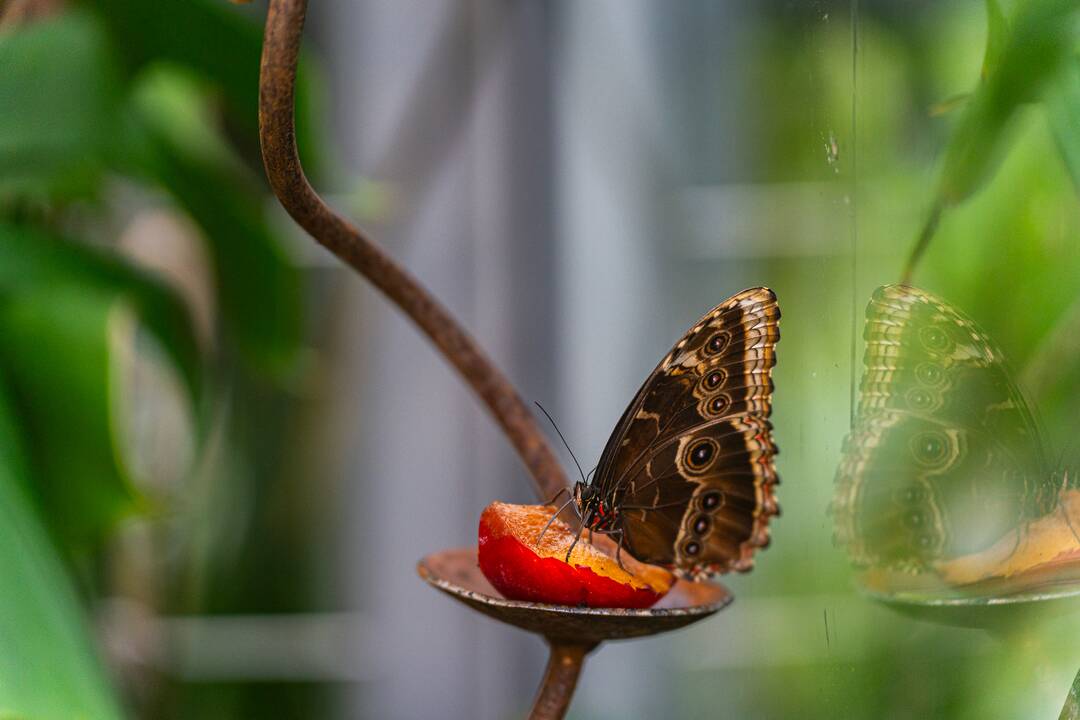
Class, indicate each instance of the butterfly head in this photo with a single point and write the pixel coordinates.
(595, 511)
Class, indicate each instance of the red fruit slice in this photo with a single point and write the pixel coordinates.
(520, 569)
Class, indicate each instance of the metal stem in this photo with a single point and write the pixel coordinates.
(560, 679)
(277, 80)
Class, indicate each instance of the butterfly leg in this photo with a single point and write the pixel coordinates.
(556, 496)
(1063, 507)
(618, 551)
(577, 537)
(552, 519)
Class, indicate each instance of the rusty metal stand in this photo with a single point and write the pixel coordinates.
(453, 572)
(277, 135)
(560, 679)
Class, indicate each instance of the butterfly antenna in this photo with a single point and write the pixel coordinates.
(565, 444)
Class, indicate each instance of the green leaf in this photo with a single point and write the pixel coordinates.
(48, 670)
(259, 290)
(59, 89)
(31, 261)
(1063, 109)
(1071, 709)
(221, 46)
(997, 36)
(69, 317)
(55, 345)
(1036, 48)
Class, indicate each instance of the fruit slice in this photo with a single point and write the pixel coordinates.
(521, 569)
(1042, 554)
(1041, 549)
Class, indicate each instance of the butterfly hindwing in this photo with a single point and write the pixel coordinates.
(710, 396)
(702, 501)
(913, 490)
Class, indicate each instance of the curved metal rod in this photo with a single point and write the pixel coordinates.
(560, 679)
(277, 134)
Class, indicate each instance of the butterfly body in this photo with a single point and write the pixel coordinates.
(686, 479)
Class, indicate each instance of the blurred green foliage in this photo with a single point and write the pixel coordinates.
(258, 289)
(971, 106)
(106, 101)
(62, 78)
(1021, 57)
(47, 667)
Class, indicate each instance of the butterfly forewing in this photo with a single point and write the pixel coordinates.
(690, 464)
(925, 357)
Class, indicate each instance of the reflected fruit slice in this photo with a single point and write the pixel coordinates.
(1044, 550)
(521, 569)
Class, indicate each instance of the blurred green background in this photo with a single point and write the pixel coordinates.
(196, 511)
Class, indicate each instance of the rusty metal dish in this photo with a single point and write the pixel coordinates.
(989, 612)
(456, 573)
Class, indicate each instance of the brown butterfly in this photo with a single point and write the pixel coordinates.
(686, 479)
(945, 456)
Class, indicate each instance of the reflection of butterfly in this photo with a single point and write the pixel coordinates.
(944, 457)
(686, 479)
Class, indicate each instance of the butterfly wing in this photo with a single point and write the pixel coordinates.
(689, 466)
(944, 456)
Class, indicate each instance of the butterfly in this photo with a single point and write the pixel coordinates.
(944, 457)
(686, 479)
